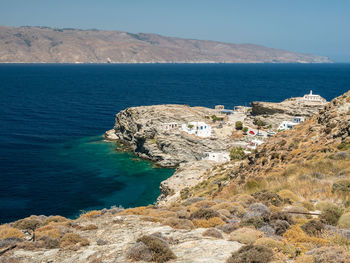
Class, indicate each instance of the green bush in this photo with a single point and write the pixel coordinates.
(245, 130)
(331, 215)
(256, 221)
(237, 153)
(252, 254)
(239, 125)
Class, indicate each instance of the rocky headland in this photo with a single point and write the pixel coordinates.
(69, 45)
(286, 201)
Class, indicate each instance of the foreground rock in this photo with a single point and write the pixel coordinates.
(115, 235)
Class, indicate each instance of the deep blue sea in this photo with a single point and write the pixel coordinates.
(52, 156)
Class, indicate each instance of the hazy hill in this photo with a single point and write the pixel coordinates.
(43, 44)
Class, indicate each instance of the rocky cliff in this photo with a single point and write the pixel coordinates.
(274, 113)
(143, 130)
(52, 45)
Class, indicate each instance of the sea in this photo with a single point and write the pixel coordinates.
(53, 159)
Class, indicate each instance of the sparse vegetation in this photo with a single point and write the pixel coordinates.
(71, 239)
(158, 247)
(250, 254)
(237, 153)
(239, 125)
(331, 215)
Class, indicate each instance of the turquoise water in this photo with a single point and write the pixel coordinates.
(99, 175)
(51, 161)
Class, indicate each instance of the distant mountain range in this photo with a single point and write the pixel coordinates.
(68, 45)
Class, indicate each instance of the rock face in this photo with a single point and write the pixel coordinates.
(43, 44)
(275, 113)
(114, 235)
(143, 130)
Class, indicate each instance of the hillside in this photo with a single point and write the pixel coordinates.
(49, 45)
(288, 201)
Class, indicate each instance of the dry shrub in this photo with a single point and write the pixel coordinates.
(88, 227)
(52, 230)
(283, 247)
(245, 235)
(55, 219)
(279, 215)
(244, 199)
(179, 223)
(204, 213)
(91, 214)
(313, 227)
(228, 228)
(308, 205)
(268, 198)
(224, 205)
(331, 255)
(204, 204)
(287, 194)
(257, 222)
(159, 248)
(71, 239)
(296, 235)
(251, 254)
(140, 251)
(134, 211)
(331, 215)
(344, 221)
(47, 242)
(29, 223)
(211, 222)
(296, 212)
(280, 226)
(10, 232)
(212, 232)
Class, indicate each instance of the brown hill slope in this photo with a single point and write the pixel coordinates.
(43, 44)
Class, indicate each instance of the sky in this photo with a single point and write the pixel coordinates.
(320, 27)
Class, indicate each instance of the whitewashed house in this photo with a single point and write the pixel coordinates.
(219, 157)
(197, 128)
(313, 98)
(287, 125)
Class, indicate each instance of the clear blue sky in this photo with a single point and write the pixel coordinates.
(320, 27)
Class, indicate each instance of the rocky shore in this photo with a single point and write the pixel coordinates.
(287, 201)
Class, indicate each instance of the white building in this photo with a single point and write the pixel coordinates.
(313, 98)
(287, 125)
(219, 157)
(298, 119)
(197, 128)
(170, 126)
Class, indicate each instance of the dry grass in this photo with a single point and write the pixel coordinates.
(90, 214)
(276, 245)
(71, 239)
(344, 221)
(287, 194)
(55, 219)
(7, 232)
(52, 230)
(297, 236)
(245, 235)
(211, 222)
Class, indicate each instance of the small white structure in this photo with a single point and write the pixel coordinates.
(253, 144)
(170, 126)
(219, 157)
(313, 98)
(287, 125)
(298, 119)
(197, 128)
